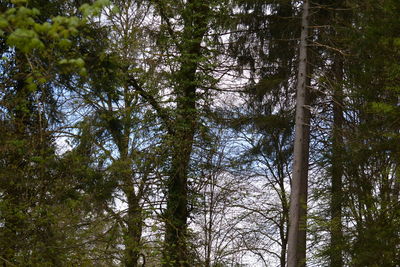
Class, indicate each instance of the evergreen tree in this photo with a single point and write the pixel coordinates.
(39, 226)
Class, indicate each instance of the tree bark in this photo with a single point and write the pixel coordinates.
(298, 203)
(337, 167)
(133, 239)
(283, 229)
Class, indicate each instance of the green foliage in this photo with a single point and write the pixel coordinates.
(25, 40)
(27, 35)
(94, 9)
(49, 206)
(131, 84)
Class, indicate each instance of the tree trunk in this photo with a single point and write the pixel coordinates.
(176, 252)
(134, 217)
(208, 222)
(134, 224)
(283, 229)
(298, 198)
(337, 166)
(195, 17)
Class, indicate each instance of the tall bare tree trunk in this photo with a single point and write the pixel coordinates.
(298, 197)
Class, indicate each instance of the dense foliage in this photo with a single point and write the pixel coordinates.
(162, 133)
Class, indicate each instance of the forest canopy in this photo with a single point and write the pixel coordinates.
(199, 133)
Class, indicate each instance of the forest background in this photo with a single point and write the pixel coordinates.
(162, 133)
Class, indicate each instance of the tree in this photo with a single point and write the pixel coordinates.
(357, 157)
(195, 18)
(371, 163)
(330, 51)
(161, 133)
(39, 225)
(264, 44)
(298, 197)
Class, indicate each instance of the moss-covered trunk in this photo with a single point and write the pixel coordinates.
(195, 17)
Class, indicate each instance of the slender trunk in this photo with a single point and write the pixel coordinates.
(337, 167)
(134, 217)
(283, 231)
(209, 223)
(284, 219)
(298, 198)
(134, 224)
(134, 220)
